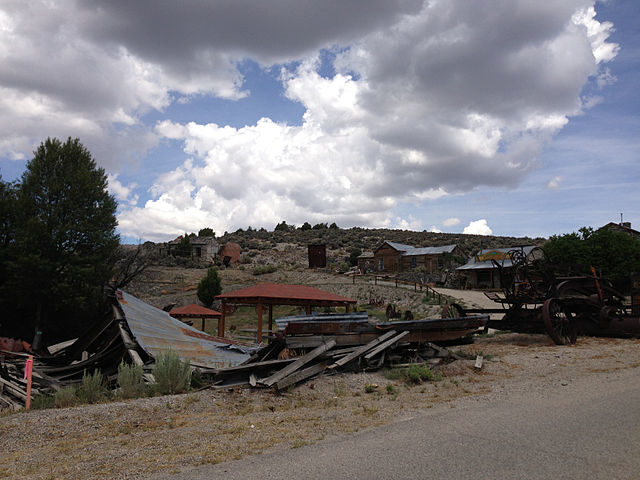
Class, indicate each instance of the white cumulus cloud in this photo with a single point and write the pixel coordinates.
(478, 227)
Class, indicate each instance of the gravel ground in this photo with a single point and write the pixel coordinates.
(140, 438)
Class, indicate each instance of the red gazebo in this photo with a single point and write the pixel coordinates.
(194, 311)
(270, 294)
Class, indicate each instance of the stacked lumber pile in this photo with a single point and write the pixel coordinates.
(280, 367)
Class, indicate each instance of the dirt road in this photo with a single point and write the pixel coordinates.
(581, 430)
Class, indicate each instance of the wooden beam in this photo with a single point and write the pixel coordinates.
(385, 345)
(299, 363)
(259, 339)
(301, 375)
(221, 319)
(359, 351)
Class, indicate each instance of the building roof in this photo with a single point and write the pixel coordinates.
(622, 227)
(194, 310)
(430, 250)
(408, 250)
(400, 247)
(483, 259)
(156, 332)
(283, 292)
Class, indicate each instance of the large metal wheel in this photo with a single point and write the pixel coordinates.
(558, 322)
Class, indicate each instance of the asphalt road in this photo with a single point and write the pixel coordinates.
(588, 429)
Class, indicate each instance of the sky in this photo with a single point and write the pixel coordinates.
(500, 117)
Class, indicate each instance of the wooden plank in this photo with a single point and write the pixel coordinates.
(252, 366)
(478, 364)
(365, 348)
(312, 341)
(299, 363)
(301, 375)
(385, 345)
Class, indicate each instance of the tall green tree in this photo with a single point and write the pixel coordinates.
(65, 237)
(209, 287)
(615, 255)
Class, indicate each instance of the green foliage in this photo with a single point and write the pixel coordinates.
(92, 389)
(171, 373)
(42, 401)
(183, 249)
(370, 387)
(206, 232)
(305, 226)
(333, 226)
(264, 269)
(414, 374)
(63, 233)
(320, 226)
(282, 227)
(353, 256)
(615, 255)
(209, 287)
(66, 397)
(130, 381)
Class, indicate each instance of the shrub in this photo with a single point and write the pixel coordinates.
(209, 287)
(414, 374)
(91, 389)
(42, 401)
(66, 397)
(421, 373)
(171, 373)
(264, 269)
(130, 381)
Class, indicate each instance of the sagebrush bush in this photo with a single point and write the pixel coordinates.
(131, 381)
(171, 373)
(66, 397)
(92, 389)
(264, 269)
(42, 401)
(414, 374)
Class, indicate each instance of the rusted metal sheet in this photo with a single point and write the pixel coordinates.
(156, 331)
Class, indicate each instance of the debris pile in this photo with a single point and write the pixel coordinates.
(315, 344)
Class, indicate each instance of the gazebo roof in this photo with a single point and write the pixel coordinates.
(194, 310)
(282, 293)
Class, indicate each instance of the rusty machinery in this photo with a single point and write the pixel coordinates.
(536, 300)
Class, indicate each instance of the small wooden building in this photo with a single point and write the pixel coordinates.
(391, 257)
(317, 256)
(482, 273)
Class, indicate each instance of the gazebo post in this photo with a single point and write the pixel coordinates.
(271, 318)
(259, 321)
(221, 319)
(308, 309)
(346, 309)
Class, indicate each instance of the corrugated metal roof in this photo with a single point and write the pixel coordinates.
(359, 317)
(156, 331)
(474, 264)
(401, 247)
(194, 310)
(284, 292)
(429, 250)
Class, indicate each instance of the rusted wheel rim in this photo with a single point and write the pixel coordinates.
(558, 322)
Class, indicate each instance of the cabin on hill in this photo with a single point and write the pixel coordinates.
(203, 249)
(391, 257)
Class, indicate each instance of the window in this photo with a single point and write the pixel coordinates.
(414, 262)
(380, 264)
